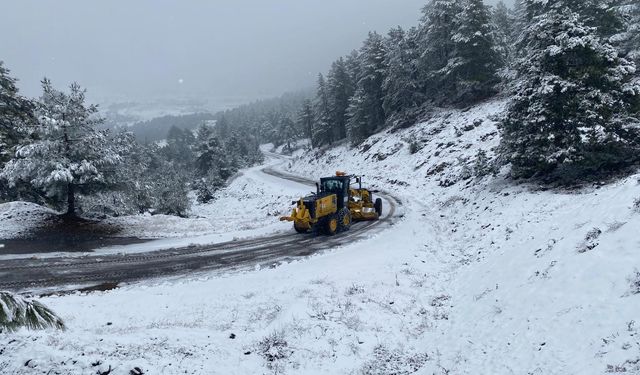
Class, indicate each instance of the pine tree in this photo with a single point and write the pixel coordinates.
(170, 191)
(633, 25)
(17, 312)
(210, 156)
(358, 118)
(569, 116)
(180, 148)
(289, 133)
(203, 133)
(438, 24)
(70, 156)
(369, 96)
(213, 167)
(519, 11)
(401, 85)
(306, 119)
(131, 189)
(472, 69)
(352, 63)
(222, 127)
(340, 89)
(16, 115)
(600, 15)
(505, 35)
(235, 150)
(629, 11)
(321, 133)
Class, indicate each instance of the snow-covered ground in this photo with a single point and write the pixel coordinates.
(19, 218)
(482, 276)
(249, 206)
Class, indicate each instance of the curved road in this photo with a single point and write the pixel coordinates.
(72, 273)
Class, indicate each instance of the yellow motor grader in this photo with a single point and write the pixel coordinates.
(334, 206)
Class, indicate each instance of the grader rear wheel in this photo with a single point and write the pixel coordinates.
(344, 220)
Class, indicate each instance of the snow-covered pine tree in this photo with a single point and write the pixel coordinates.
(130, 191)
(16, 114)
(288, 132)
(203, 133)
(180, 148)
(170, 191)
(17, 312)
(144, 163)
(472, 70)
(340, 88)
(236, 151)
(369, 97)
(222, 127)
(306, 119)
(633, 44)
(598, 14)
(438, 23)
(16, 126)
(633, 27)
(321, 133)
(133, 174)
(569, 116)
(352, 63)
(210, 155)
(519, 12)
(505, 32)
(212, 167)
(402, 85)
(69, 156)
(268, 131)
(358, 118)
(629, 37)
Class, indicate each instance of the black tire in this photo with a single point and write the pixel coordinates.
(344, 220)
(331, 225)
(300, 230)
(378, 207)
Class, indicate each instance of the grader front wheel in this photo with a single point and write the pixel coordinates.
(331, 226)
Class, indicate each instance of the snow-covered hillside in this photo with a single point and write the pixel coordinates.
(481, 276)
(20, 218)
(540, 281)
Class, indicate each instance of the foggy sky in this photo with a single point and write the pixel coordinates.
(163, 48)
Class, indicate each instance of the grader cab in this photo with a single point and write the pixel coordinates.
(335, 205)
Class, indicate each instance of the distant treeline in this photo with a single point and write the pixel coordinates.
(157, 129)
(271, 120)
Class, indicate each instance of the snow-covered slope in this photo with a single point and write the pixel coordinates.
(541, 281)
(251, 202)
(482, 276)
(19, 218)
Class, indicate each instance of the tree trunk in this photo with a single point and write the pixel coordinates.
(71, 200)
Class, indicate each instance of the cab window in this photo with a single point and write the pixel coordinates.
(332, 186)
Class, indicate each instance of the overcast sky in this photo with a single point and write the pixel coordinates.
(162, 48)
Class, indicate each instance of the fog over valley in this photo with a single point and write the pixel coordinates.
(223, 52)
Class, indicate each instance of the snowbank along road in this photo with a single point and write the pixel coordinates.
(76, 272)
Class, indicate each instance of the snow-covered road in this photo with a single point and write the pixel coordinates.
(171, 257)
